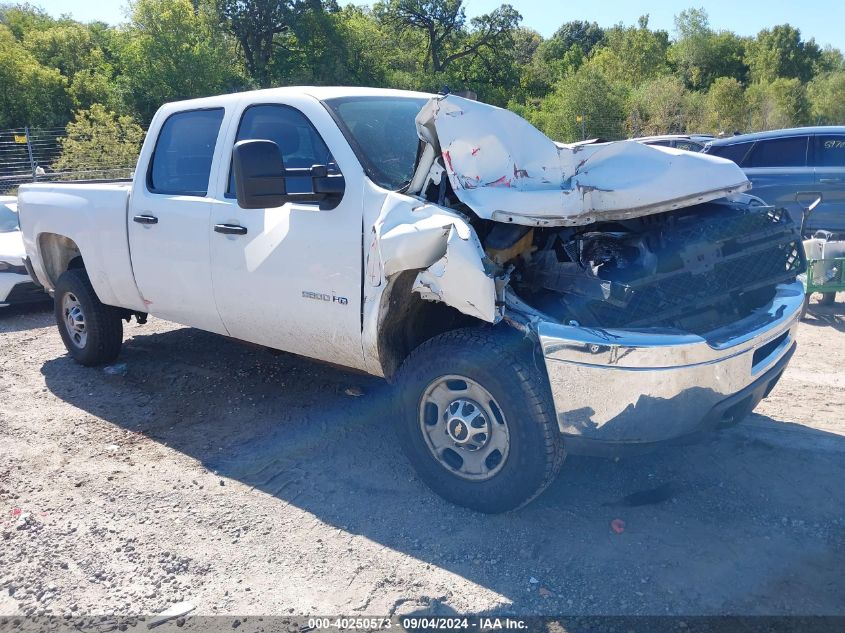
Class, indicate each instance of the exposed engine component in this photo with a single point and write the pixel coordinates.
(695, 268)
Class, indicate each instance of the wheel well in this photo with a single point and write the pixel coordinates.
(58, 254)
(408, 321)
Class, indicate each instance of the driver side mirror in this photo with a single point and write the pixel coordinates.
(258, 169)
(261, 178)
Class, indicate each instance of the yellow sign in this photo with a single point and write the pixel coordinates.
(579, 118)
(21, 139)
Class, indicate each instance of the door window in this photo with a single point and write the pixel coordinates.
(735, 152)
(181, 162)
(300, 144)
(830, 150)
(780, 152)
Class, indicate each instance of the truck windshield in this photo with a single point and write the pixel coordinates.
(382, 133)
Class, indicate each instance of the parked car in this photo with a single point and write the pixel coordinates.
(16, 286)
(526, 298)
(790, 168)
(689, 142)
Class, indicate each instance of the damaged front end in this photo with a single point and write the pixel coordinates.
(663, 300)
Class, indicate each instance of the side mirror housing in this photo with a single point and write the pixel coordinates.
(258, 168)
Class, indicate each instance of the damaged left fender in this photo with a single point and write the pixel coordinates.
(411, 235)
(444, 250)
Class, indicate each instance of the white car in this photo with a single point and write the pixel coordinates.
(16, 286)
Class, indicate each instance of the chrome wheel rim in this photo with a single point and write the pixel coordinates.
(74, 320)
(464, 427)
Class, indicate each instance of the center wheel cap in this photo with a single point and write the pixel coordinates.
(467, 425)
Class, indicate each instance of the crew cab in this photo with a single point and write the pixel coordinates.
(526, 298)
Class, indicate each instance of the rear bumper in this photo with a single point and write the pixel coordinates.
(623, 388)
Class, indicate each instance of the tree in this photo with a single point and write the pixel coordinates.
(726, 106)
(30, 94)
(99, 144)
(780, 52)
(24, 18)
(633, 54)
(584, 35)
(173, 52)
(443, 24)
(585, 104)
(66, 47)
(700, 54)
(255, 24)
(660, 106)
(826, 94)
(778, 104)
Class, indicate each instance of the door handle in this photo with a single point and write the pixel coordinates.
(145, 219)
(230, 229)
(830, 180)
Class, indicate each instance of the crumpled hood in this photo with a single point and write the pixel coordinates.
(506, 170)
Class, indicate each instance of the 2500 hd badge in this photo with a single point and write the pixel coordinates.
(322, 296)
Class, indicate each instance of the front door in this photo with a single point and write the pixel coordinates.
(290, 277)
(169, 215)
(830, 180)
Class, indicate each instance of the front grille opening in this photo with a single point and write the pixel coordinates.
(766, 350)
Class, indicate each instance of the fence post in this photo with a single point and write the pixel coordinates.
(29, 151)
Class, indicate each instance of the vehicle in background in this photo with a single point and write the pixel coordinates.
(688, 142)
(790, 168)
(16, 286)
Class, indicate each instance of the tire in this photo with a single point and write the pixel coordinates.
(91, 331)
(828, 299)
(486, 379)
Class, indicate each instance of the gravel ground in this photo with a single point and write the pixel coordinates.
(248, 483)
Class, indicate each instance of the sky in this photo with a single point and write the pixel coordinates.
(819, 19)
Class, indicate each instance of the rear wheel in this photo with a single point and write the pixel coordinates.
(476, 419)
(91, 331)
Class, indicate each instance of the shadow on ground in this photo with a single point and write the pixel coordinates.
(733, 525)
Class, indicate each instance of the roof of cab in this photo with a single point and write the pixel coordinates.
(794, 131)
(318, 92)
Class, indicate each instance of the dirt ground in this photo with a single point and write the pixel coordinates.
(248, 483)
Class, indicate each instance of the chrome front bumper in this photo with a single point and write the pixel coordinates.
(625, 387)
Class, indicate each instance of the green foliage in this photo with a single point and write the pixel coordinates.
(660, 106)
(780, 52)
(826, 94)
(174, 53)
(443, 25)
(778, 104)
(99, 144)
(633, 54)
(30, 94)
(726, 107)
(700, 54)
(584, 105)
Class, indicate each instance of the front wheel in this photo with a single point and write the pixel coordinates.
(476, 419)
(91, 331)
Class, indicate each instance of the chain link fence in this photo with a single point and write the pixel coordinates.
(29, 155)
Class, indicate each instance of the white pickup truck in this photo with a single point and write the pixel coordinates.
(526, 298)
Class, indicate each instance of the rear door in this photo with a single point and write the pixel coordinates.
(829, 158)
(168, 221)
(778, 170)
(291, 279)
